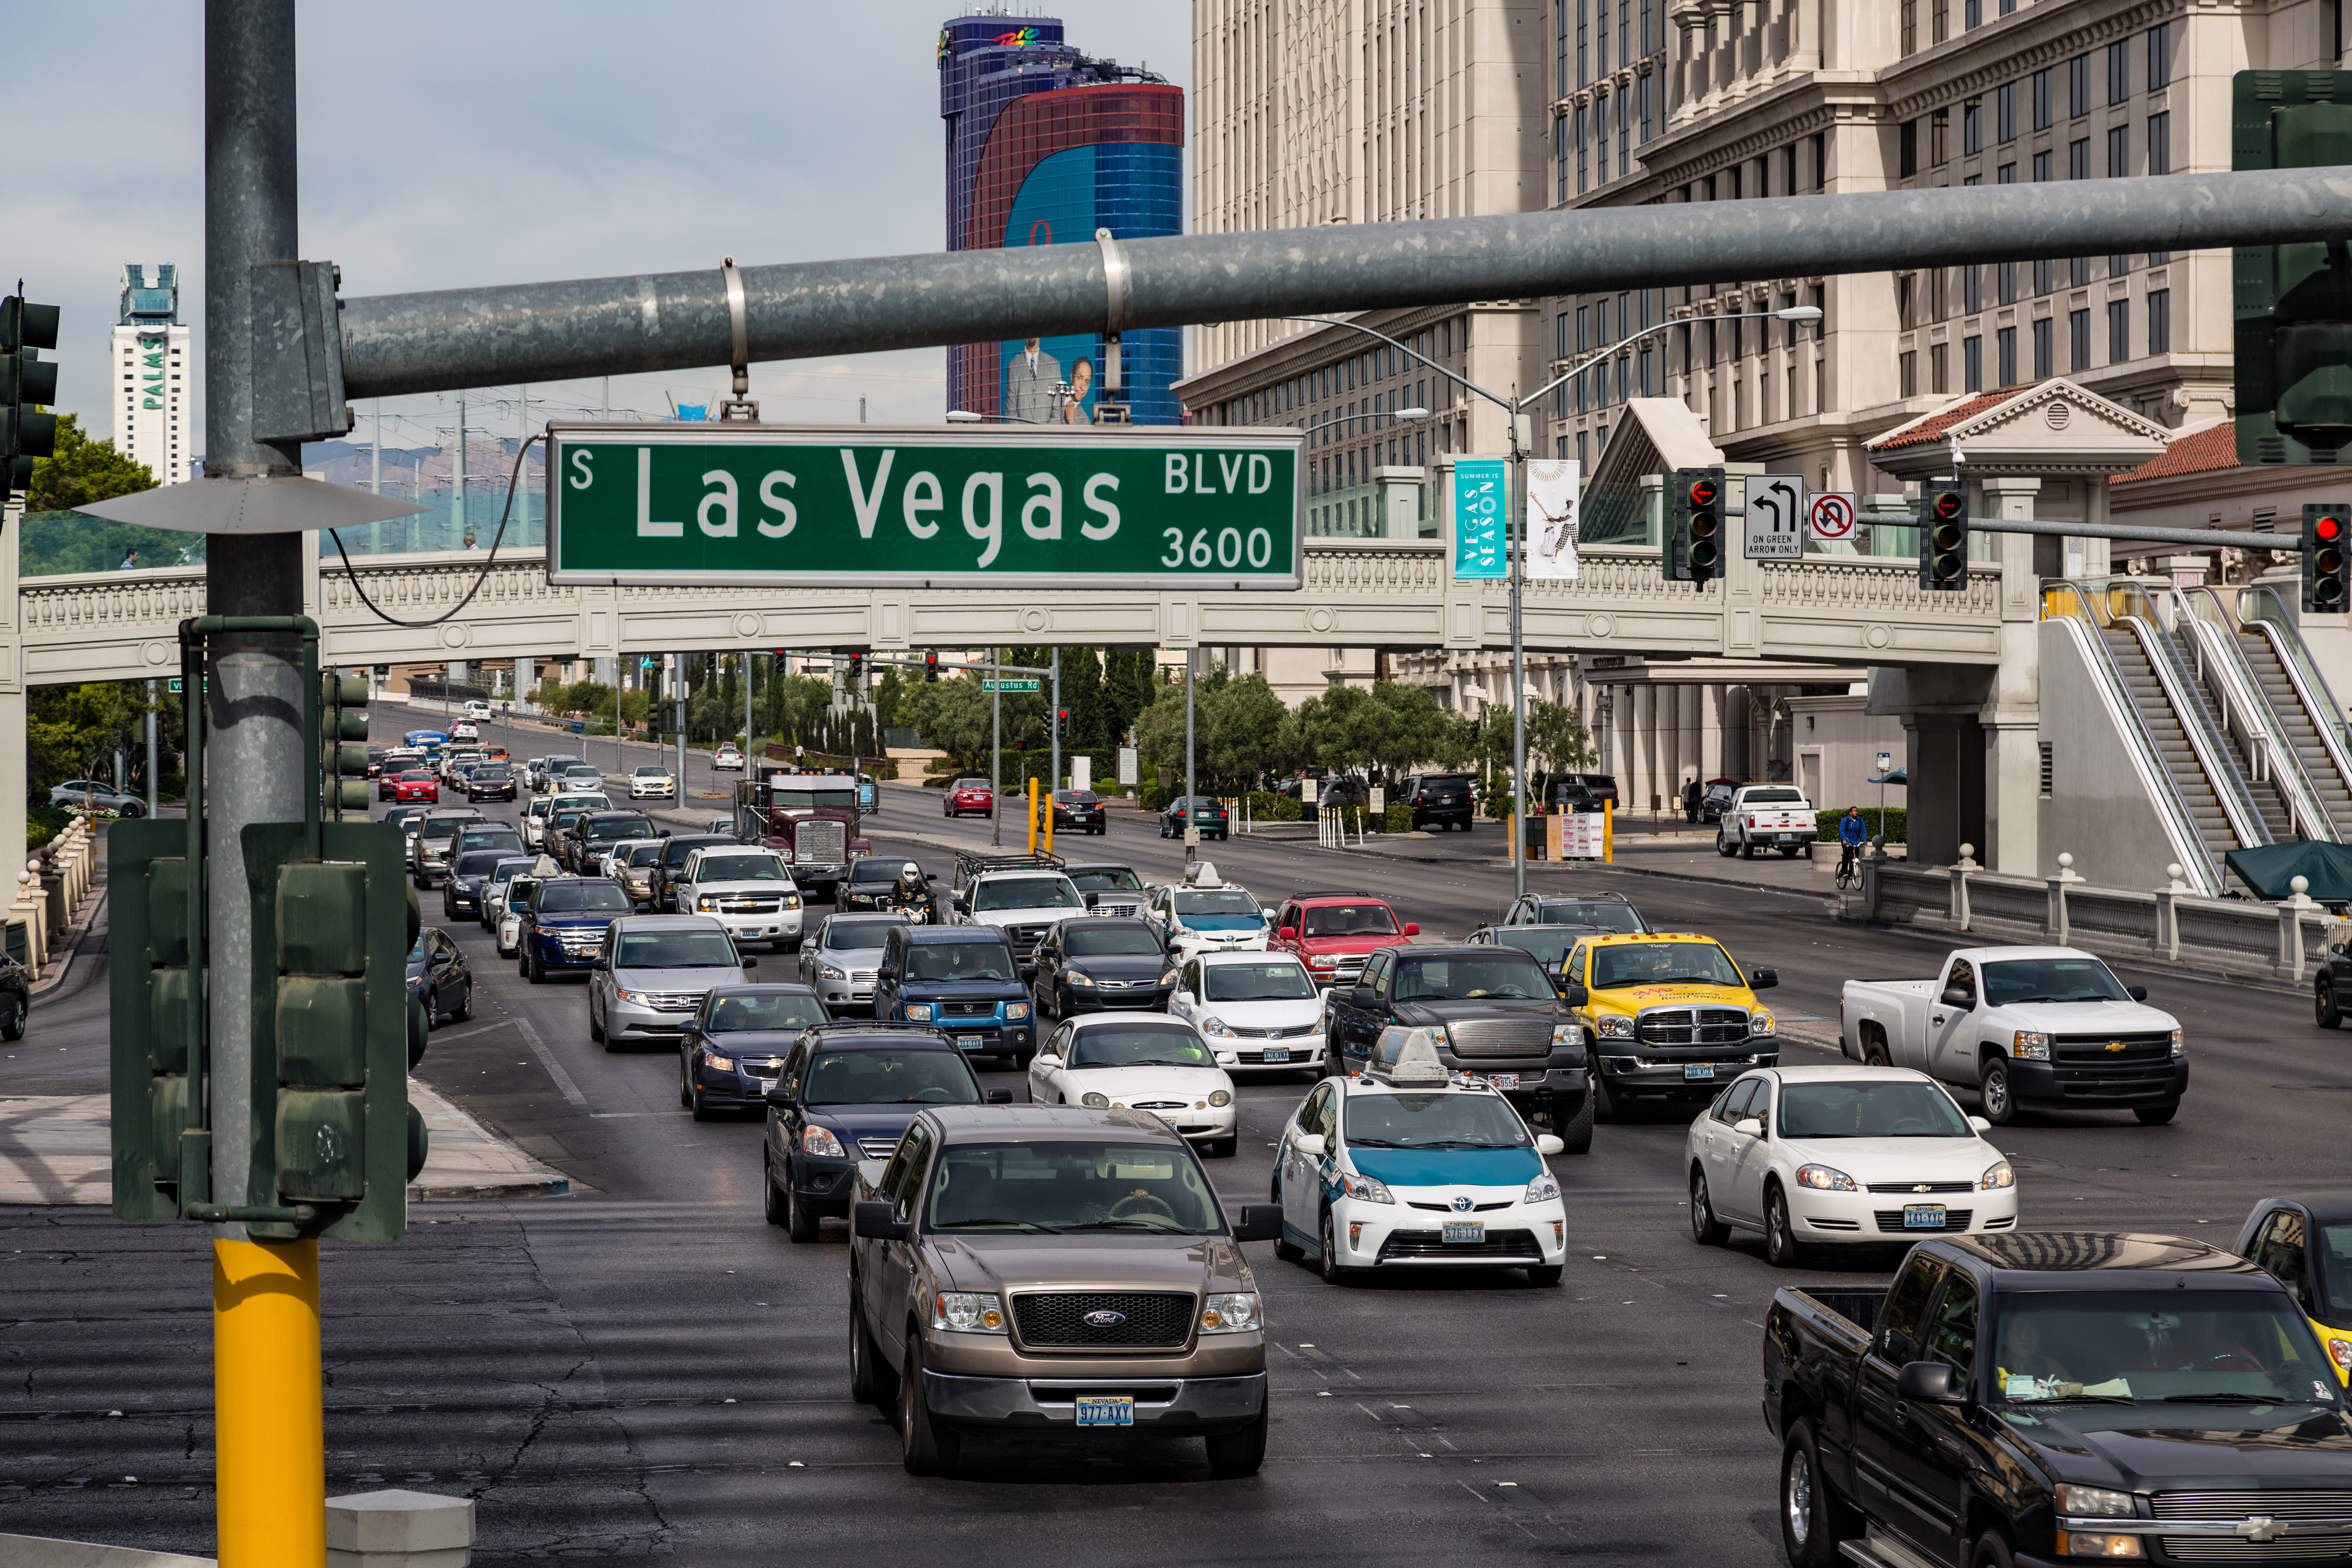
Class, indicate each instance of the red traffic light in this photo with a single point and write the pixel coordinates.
(2328, 528)
(1703, 492)
(1950, 504)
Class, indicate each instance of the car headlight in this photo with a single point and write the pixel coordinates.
(2179, 1046)
(1543, 1189)
(1614, 1026)
(2094, 1502)
(1168, 977)
(622, 994)
(1761, 1024)
(1076, 981)
(918, 1012)
(818, 1141)
(2030, 1044)
(1016, 1011)
(706, 904)
(724, 1064)
(1567, 1035)
(1093, 1101)
(968, 1312)
(2339, 1351)
(1221, 1098)
(1217, 1028)
(1997, 1175)
(1364, 1188)
(828, 972)
(1230, 1314)
(792, 900)
(1825, 1178)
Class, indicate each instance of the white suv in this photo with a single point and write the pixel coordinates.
(1022, 901)
(747, 890)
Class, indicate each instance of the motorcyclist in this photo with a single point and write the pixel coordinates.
(912, 894)
(1852, 835)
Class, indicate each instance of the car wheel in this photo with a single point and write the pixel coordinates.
(2156, 1115)
(869, 1380)
(465, 1003)
(1330, 1261)
(2324, 1009)
(133, 808)
(685, 1086)
(11, 1017)
(1575, 1133)
(773, 1204)
(1747, 852)
(532, 969)
(1781, 1249)
(1999, 1104)
(1705, 1229)
(595, 1025)
(1284, 1249)
(1545, 1273)
(1874, 1053)
(1992, 1551)
(1724, 847)
(433, 1009)
(1232, 1455)
(925, 1447)
(1812, 1518)
(800, 1223)
(1222, 1148)
(1604, 1104)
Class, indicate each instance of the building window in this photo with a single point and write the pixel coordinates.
(2004, 102)
(1972, 364)
(1971, 289)
(1940, 137)
(2118, 330)
(2045, 277)
(1821, 161)
(1601, 38)
(1581, 457)
(1583, 75)
(2005, 176)
(1972, 123)
(1560, 147)
(2041, 167)
(1907, 147)
(2160, 144)
(1601, 132)
(1972, 14)
(2159, 320)
(1907, 368)
(2078, 341)
(2118, 152)
(2078, 87)
(2005, 283)
(2049, 769)
(2159, 56)
(1910, 26)
(2118, 265)
(2045, 344)
(2005, 351)
(2119, 71)
(1645, 108)
(1624, 150)
(2078, 158)
(2043, 106)
(1940, 20)
(1578, 137)
(1938, 381)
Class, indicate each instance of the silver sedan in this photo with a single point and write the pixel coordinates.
(838, 961)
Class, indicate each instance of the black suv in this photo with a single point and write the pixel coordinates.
(1439, 800)
(1493, 1011)
(846, 1094)
(963, 980)
(600, 830)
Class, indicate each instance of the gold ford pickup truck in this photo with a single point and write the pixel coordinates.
(1057, 1270)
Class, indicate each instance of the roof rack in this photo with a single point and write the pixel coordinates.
(971, 864)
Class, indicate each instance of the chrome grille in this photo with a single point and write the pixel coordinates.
(877, 1148)
(1891, 1221)
(1922, 1187)
(968, 1009)
(1693, 1027)
(2234, 1549)
(2237, 1505)
(820, 843)
(1126, 910)
(673, 1001)
(1150, 1320)
(734, 906)
(1402, 1245)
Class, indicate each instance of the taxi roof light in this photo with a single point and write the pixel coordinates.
(1416, 1062)
(1204, 875)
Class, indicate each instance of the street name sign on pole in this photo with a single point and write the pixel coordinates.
(868, 506)
(1831, 518)
(1774, 526)
(1021, 683)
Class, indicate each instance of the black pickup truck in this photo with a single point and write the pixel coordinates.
(2045, 1397)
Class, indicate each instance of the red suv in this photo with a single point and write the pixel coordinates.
(1334, 933)
(969, 795)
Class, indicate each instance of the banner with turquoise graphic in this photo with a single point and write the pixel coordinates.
(1481, 526)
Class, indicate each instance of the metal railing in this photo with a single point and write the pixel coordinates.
(2135, 610)
(2271, 747)
(2261, 609)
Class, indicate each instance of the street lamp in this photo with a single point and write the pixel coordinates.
(1514, 407)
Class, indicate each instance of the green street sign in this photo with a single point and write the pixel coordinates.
(868, 506)
(1010, 683)
(175, 685)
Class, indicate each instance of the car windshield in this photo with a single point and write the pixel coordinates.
(1867, 1109)
(2220, 1347)
(1270, 982)
(869, 870)
(787, 1010)
(577, 898)
(1026, 893)
(740, 869)
(1110, 942)
(652, 772)
(1139, 1043)
(611, 832)
(493, 771)
(481, 863)
(890, 1078)
(505, 838)
(676, 949)
(1662, 964)
(1349, 919)
(800, 799)
(507, 866)
(1056, 1186)
(959, 961)
(1546, 944)
(2049, 980)
(1227, 901)
(645, 854)
(417, 775)
(568, 815)
(857, 936)
(1607, 914)
(1433, 1121)
(1108, 879)
(1496, 975)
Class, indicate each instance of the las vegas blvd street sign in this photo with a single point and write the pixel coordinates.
(876, 506)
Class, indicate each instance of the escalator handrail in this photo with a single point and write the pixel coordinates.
(2205, 865)
(2303, 674)
(2206, 744)
(2215, 630)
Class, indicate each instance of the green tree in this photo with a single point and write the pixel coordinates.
(952, 716)
(1082, 694)
(82, 471)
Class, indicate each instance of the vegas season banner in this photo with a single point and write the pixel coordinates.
(1555, 490)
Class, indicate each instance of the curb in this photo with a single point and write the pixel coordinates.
(79, 932)
(523, 1187)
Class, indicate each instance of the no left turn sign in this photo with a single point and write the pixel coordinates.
(1831, 518)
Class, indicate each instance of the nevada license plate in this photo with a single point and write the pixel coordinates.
(1923, 1217)
(1278, 1054)
(1505, 1080)
(1106, 1411)
(970, 1042)
(1698, 1069)
(1461, 1230)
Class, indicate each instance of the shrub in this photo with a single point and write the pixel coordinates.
(1897, 822)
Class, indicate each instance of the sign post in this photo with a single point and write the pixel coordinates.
(867, 506)
(1773, 528)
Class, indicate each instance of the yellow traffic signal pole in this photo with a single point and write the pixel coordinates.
(269, 1433)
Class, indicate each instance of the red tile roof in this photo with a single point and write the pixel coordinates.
(1933, 427)
(2201, 452)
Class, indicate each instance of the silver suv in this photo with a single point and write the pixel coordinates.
(652, 972)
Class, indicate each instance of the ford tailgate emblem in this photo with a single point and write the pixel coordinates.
(1105, 1318)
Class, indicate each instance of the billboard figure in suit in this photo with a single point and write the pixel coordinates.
(1030, 377)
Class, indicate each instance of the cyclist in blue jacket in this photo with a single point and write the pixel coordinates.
(1850, 834)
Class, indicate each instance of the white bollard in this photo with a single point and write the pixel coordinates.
(399, 1530)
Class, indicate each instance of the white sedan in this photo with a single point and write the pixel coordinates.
(1138, 1061)
(1259, 1012)
(1842, 1155)
(652, 781)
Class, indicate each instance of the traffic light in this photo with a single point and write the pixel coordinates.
(25, 381)
(2293, 303)
(931, 663)
(344, 720)
(160, 1161)
(1061, 723)
(1693, 551)
(2327, 561)
(857, 667)
(1944, 535)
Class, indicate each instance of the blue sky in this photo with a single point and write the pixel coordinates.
(445, 144)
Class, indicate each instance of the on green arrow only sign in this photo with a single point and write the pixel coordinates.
(867, 506)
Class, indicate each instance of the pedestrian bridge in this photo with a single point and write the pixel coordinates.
(1358, 593)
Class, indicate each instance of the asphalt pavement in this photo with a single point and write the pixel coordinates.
(645, 1369)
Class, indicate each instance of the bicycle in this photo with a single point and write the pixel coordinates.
(1849, 871)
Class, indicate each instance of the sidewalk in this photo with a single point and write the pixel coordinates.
(58, 1148)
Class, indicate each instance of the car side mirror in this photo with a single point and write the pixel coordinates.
(1546, 1143)
(999, 1096)
(1411, 928)
(1259, 1222)
(884, 972)
(1310, 1145)
(1980, 1123)
(782, 1099)
(1575, 996)
(1956, 996)
(1288, 933)
(1929, 1383)
(600, 964)
(1763, 979)
(2136, 993)
(1045, 1059)
(960, 906)
(1748, 1127)
(751, 963)
(873, 1221)
(1028, 972)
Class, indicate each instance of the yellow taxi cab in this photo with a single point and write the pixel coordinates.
(2305, 1243)
(1668, 1017)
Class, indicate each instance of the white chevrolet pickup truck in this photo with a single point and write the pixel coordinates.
(1766, 817)
(2028, 1029)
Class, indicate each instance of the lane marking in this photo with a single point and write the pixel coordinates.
(547, 1059)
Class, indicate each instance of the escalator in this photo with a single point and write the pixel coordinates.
(2195, 786)
(2301, 710)
(2212, 685)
